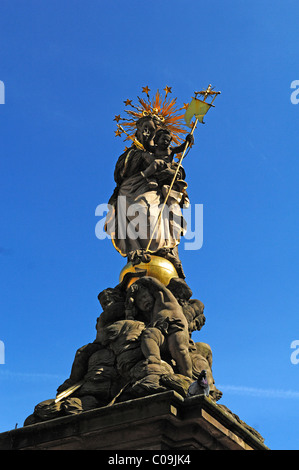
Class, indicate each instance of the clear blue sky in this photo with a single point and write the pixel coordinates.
(67, 66)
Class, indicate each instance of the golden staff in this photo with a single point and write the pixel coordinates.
(206, 93)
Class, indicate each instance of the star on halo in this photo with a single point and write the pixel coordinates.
(118, 133)
(145, 89)
(167, 90)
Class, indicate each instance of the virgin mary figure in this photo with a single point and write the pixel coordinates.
(143, 174)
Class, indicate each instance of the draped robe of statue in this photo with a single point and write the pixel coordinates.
(134, 206)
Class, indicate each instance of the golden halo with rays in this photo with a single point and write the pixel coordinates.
(164, 111)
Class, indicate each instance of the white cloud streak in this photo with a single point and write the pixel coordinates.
(259, 392)
(31, 376)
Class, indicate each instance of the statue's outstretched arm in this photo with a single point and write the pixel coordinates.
(180, 148)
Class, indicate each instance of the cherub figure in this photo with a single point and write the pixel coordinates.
(161, 147)
(161, 168)
(112, 301)
(193, 308)
(166, 325)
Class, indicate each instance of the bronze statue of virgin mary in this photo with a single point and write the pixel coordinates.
(139, 230)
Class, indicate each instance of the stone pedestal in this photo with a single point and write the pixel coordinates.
(164, 421)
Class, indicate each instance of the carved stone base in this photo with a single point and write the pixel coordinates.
(163, 421)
